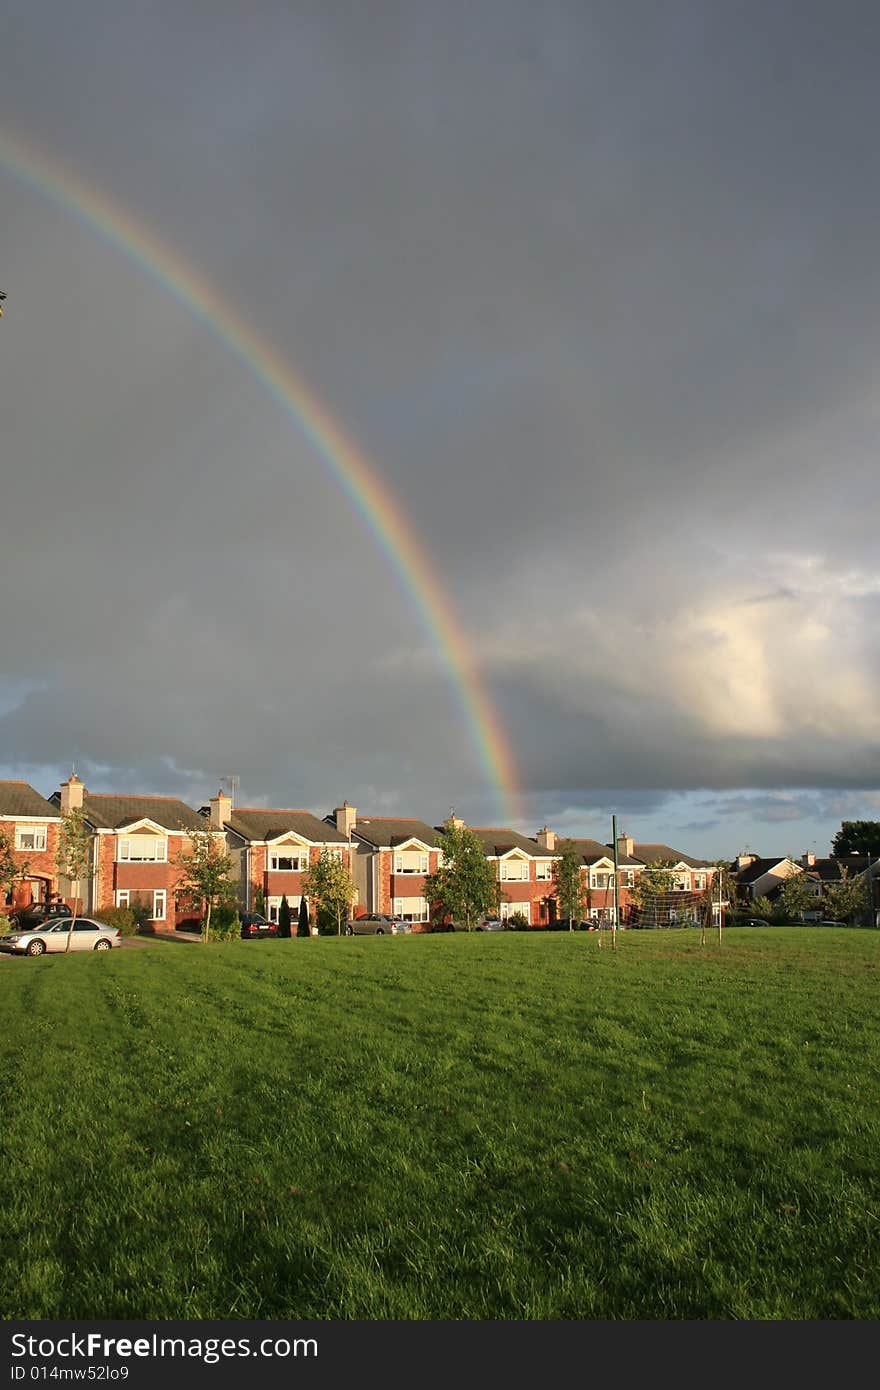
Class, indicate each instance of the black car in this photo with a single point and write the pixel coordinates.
(255, 925)
(38, 913)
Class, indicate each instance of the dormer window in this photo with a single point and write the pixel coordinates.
(143, 849)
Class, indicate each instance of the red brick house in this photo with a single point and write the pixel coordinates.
(31, 823)
(525, 869)
(136, 840)
(273, 850)
(597, 872)
(392, 856)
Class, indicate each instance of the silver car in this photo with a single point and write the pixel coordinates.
(377, 924)
(52, 936)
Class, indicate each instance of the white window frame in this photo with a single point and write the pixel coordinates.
(507, 877)
(411, 914)
(544, 870)
(606, 874)
(123, 850)
(123, 897)
(273, 906)
(401, 868)
(37, 832)
(506, 910)
(300, 855)
(160, 904)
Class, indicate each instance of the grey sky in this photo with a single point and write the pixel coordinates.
(594, 285)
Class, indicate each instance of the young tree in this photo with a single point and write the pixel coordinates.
(331, 887)
(797, 896)
(569, 887)
(848, 898)
(11, 869)
(260, 902)
(857, 837)
(762, 907)
(73, 857)
(284, 917)
(302, 924)
(464, 887)
(206, 873)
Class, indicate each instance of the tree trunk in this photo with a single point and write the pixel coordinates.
(206, 930)
(70, 928)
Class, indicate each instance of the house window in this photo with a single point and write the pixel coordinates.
(31, 837)
(600, 880)
(543, 869)
(515, 870)
(123, 897)
(508, 910)
(411, 909)
(699, 883)
(158, 904)
(289, 862)
(142, 849)
(628, 878)
(273, 907)
(410, 861)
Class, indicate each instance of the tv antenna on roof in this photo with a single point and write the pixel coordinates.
(231, 780)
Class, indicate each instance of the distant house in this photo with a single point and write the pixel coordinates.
(760, 877)
(136, 841)
(392, 857)
(31, 822)
(525, 870)
(597, 873)
(273, 850)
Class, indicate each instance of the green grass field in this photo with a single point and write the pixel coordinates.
(478, 1127)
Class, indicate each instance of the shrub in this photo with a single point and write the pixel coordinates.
(225, 922)
(284, 917)
(517, 921)
(143, 917)
(260, 902)
(123, 918)
(5, 928)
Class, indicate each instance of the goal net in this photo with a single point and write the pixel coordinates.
(673, 908)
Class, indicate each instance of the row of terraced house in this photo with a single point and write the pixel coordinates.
(137, 841)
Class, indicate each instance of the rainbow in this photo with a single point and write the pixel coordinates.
(358, 478)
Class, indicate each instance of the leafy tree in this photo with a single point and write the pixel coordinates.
(797, 896)
(762, 907)
(206, 873)
(331, 887)
(568, 883)
(11, 868)
(650, 886)
(857, 837)
(284, 917)
(302, 926)
(73, 857)
(848, 898)
(464, 887)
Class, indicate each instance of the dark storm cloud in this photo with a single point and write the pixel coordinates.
(596, 287)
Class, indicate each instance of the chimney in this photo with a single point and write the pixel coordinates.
(71, 794)
(744, 860)
(221, 810)
(625, 846)
(808, 860)
(455, 821)
(546, 839)
(346, 819)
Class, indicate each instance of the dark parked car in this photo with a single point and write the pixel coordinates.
(254, 925)
(37, 913)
